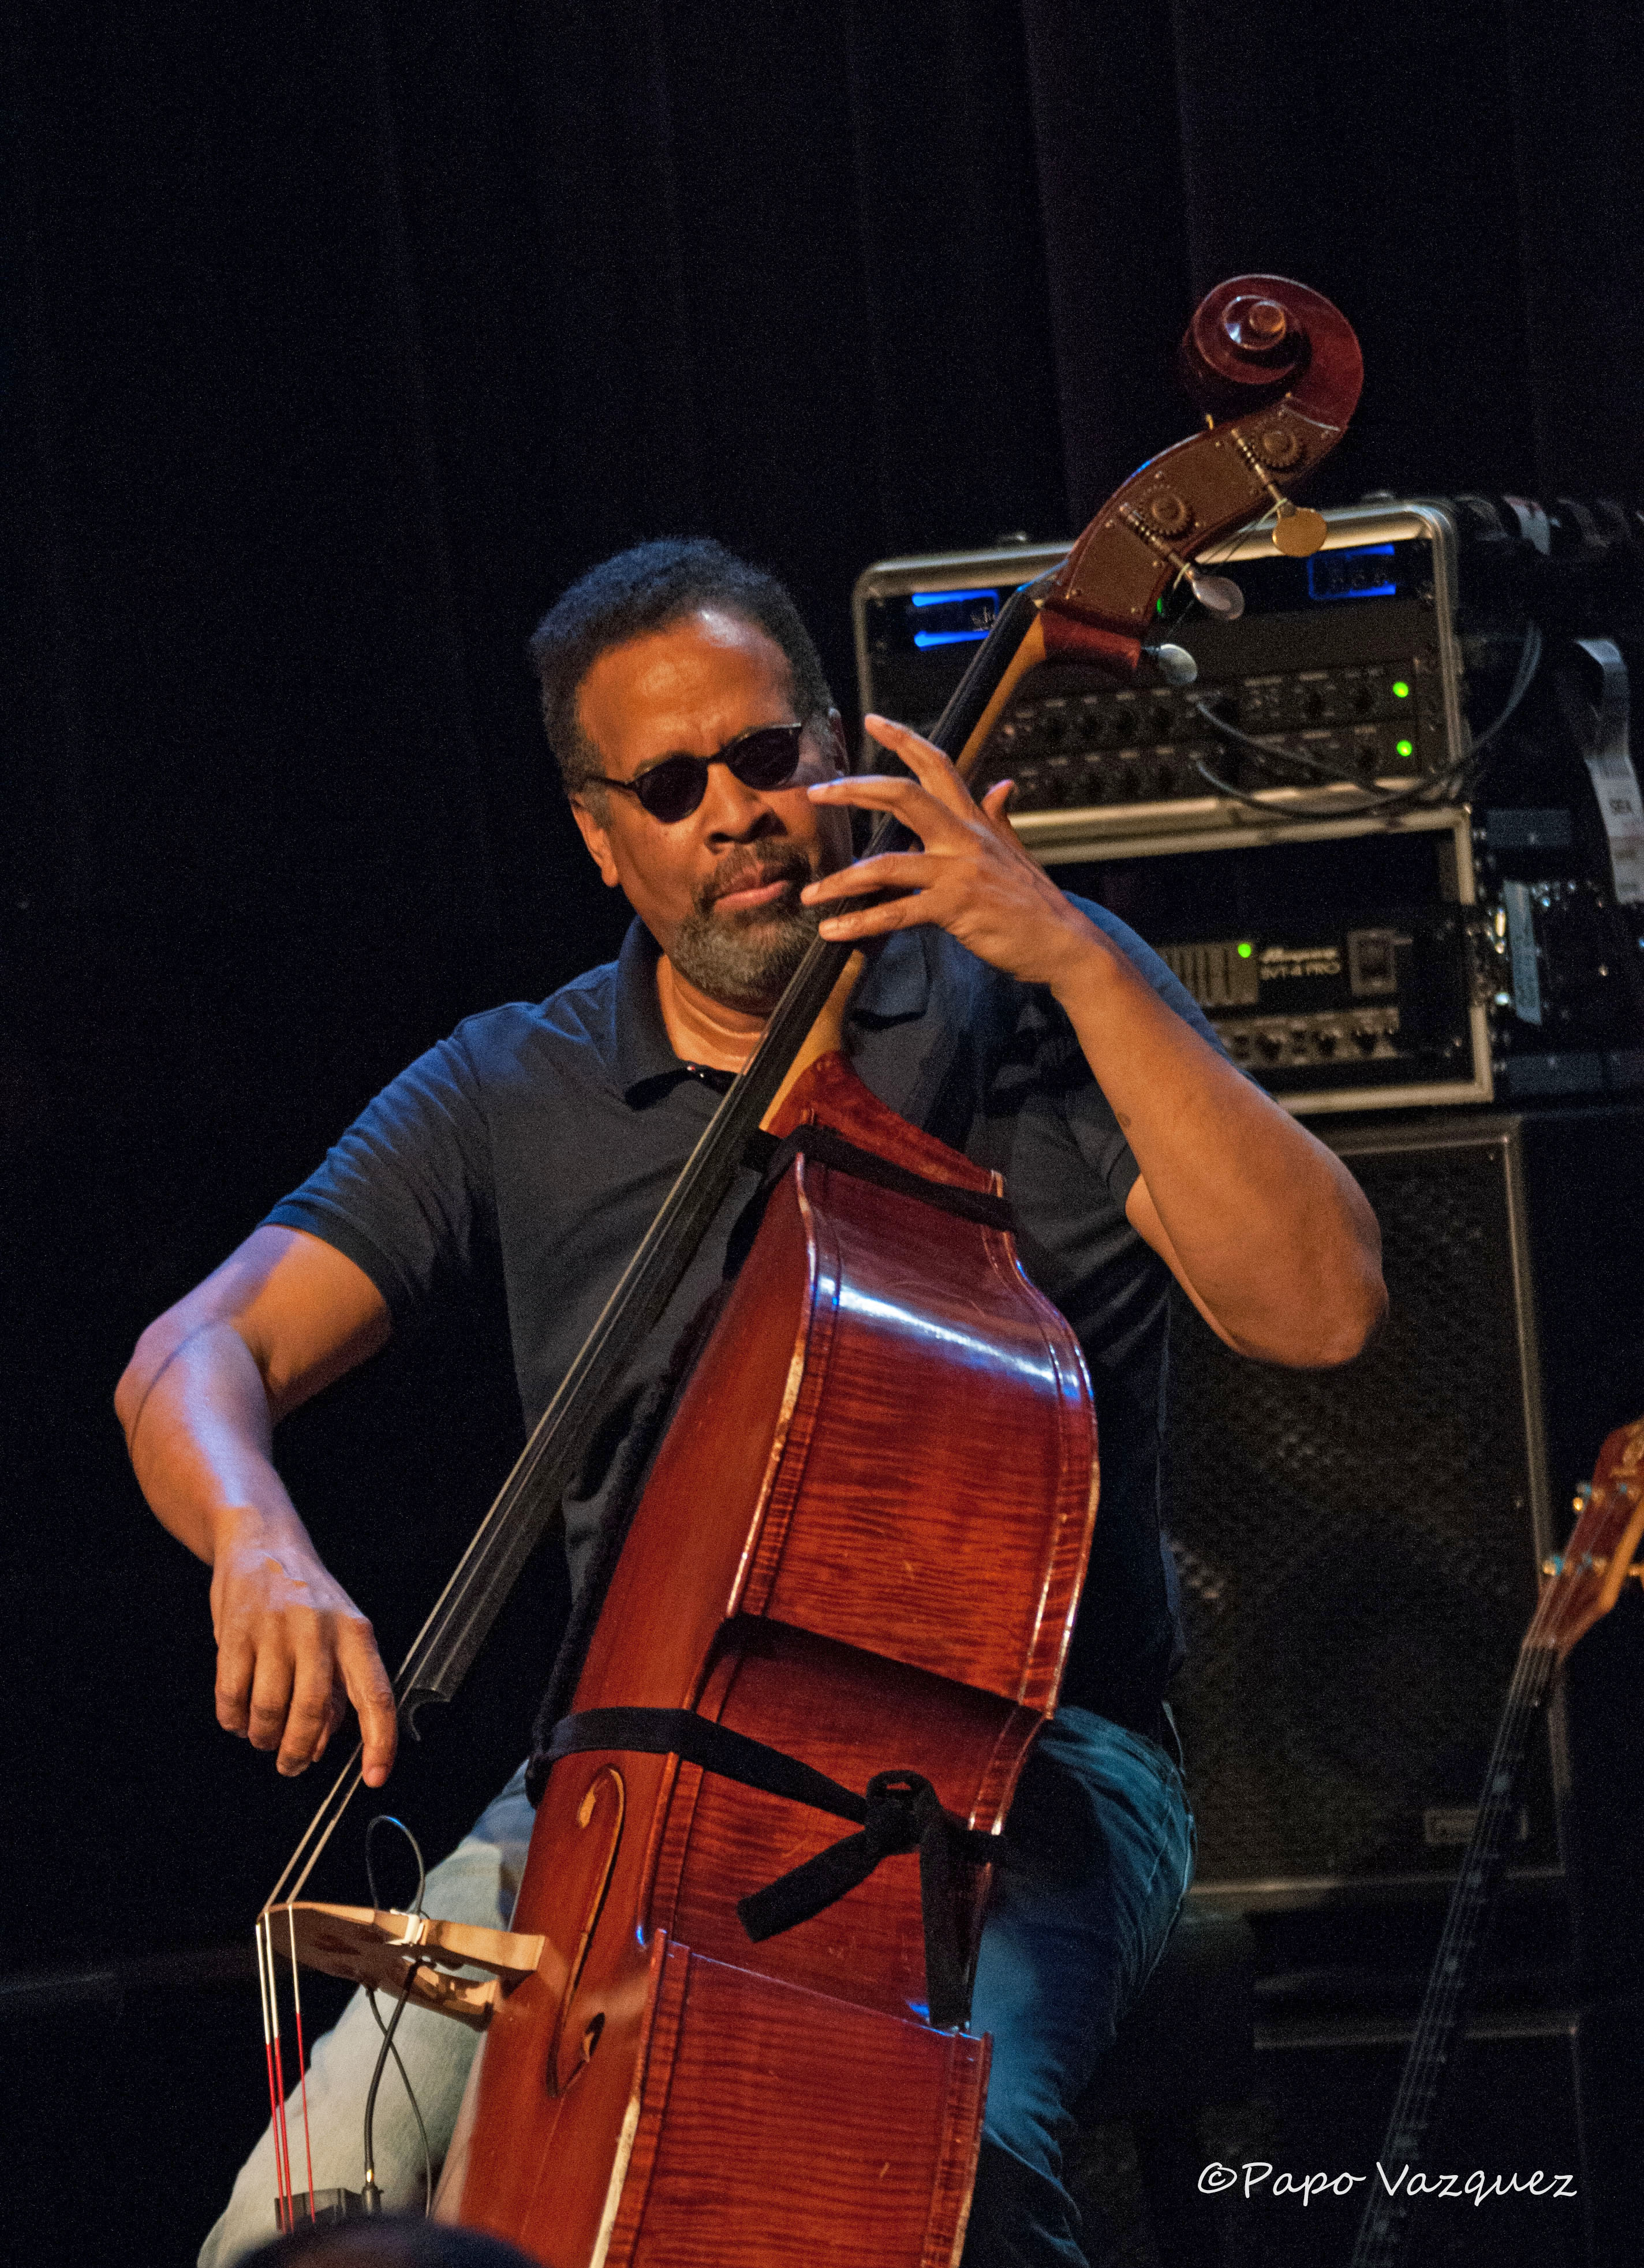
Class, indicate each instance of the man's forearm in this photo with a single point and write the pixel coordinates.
(199, 1431)
(290, 1642)
(1265, 1225)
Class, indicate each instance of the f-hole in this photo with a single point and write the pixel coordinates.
(593, 1856)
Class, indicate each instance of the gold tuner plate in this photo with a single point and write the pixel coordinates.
(1301, 532)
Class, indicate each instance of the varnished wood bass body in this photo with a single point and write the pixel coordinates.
(861, 1542)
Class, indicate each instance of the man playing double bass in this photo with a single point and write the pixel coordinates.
(705, 761)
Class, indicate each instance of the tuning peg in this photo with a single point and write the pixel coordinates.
(1298, 531)
(1218, 594)
(1174, 663)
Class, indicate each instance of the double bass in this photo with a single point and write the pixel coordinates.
(720, 2031)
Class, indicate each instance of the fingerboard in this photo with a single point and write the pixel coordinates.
(1453, 1978)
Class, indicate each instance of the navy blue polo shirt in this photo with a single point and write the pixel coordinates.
(547, 1136)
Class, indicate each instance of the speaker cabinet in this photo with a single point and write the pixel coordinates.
(1548, 2092)
(1358, 1550)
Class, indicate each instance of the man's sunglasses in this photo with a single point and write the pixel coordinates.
(767, 757)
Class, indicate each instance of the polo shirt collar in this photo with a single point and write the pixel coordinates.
(642, 1053)
(897, 987)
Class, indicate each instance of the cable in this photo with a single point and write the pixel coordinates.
(1456, 785)
(372, 2193)
(1529, 663)
(1308, 756)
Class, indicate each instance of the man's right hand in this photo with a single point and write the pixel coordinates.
(282, 1316)
(292, 1650)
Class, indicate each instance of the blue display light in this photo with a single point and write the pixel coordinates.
(1346, 575)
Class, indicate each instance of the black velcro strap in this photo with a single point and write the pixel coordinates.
(699, 1741)
(771, 1159)
(900, 1812)
(903, 1814)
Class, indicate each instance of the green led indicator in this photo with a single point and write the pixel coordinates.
(1401, 690)
(1405, 747)
(1245, 951)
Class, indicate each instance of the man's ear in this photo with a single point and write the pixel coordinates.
(599, 843)
(836, 733)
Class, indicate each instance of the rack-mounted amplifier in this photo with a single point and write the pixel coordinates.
(1338, 959)
(1348, 659)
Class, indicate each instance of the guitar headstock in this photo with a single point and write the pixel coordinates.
(1583, 1581)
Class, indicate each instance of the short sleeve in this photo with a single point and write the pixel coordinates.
(407, 1194)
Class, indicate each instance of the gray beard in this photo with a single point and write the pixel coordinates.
(745, 965)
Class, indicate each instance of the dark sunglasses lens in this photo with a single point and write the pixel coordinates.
(672, 791)
(769, 758)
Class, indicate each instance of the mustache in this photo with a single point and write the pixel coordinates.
(751, 867)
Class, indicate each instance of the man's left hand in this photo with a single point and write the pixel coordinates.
(1265, 1228)
(972, 877)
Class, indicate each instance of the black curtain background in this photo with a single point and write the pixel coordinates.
(336, 339)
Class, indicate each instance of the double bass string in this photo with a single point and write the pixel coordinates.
(273, 2055)
(302, 2058)
(318, 1833)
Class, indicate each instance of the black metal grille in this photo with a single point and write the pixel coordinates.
(1357, 1549)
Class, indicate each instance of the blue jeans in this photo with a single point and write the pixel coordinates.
(1101, 1847)
(1100, 1854)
